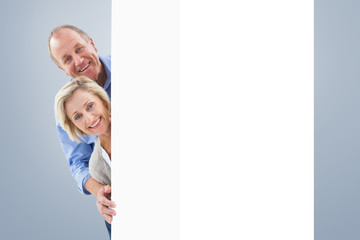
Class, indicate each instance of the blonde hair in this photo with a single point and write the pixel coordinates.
(82, 34)
(66, 92)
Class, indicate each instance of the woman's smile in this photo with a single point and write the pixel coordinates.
(96, 124)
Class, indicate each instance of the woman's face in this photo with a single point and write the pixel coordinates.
(88, 112)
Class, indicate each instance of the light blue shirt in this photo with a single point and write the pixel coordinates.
(78, 154)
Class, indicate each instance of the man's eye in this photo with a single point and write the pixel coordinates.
(78, 49)
(91, 105)
(67, 59)
(77, 117)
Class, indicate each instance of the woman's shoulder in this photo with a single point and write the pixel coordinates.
(98, 168)
(96, 154)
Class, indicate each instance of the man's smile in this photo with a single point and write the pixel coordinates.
(84, 68)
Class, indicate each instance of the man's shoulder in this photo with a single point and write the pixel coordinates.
(106, 59)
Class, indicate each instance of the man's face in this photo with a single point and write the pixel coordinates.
(76, 56)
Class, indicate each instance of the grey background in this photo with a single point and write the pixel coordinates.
(39, 197)
(337, 119)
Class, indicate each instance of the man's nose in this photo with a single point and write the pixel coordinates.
(78, 60)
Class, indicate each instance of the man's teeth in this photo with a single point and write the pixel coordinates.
(81, 70)
(95, 124)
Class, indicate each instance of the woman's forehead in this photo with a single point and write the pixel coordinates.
(79, 100)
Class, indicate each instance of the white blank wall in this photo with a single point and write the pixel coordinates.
(213, 119)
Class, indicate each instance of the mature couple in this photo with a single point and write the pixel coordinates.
(84, 115)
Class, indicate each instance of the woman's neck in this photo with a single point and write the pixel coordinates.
(105, 140)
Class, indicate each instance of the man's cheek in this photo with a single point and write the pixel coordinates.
(67, 72)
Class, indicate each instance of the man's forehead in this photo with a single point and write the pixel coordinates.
(65, 36)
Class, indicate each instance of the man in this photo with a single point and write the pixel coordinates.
(74, 52)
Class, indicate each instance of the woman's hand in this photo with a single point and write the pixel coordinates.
(104, 204)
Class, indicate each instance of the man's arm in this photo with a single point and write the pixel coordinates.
(78, 155)
(103, 194)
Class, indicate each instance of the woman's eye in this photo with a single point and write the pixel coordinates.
(77, 117)
(78, 49)
(67, 59)
(91, 105)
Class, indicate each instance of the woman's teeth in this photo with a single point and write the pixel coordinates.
(95, 124)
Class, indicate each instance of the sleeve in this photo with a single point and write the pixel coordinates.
(78, 156)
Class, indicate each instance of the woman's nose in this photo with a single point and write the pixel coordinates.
(89, 118)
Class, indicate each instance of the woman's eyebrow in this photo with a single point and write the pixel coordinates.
(73, 114)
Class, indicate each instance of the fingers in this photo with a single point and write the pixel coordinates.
(104, 201)
(104, 204)
(107, 189)
(106, 212)
(104, 197)
(107, 218)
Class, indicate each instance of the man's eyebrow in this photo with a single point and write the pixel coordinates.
(78, 45)
(75, 46)
(64, 57)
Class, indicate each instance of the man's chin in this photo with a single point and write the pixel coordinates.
(91, 76)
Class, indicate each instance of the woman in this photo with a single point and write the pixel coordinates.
(83, 107)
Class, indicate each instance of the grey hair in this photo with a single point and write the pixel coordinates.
(82, 34)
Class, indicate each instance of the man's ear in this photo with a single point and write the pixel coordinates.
(63, 70)
(92, 43)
